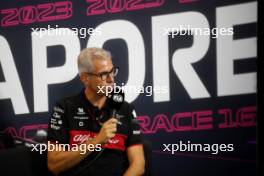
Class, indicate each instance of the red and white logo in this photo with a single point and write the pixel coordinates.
(117, 142)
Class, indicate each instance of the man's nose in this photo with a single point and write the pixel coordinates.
(110, 78)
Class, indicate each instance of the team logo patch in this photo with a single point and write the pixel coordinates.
(80, 111)
(80, 136)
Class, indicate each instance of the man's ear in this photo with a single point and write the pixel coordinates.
(83, 78)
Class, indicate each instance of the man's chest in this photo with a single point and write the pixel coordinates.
(85, 123)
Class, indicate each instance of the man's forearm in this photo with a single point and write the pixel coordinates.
(134, 170)
(59, 161)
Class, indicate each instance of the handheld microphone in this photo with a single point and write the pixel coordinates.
(116, 99)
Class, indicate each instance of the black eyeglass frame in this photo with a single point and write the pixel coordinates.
(104, 75)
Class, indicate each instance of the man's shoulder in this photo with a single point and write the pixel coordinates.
(69, 100)
(125, 104)
(127, 107)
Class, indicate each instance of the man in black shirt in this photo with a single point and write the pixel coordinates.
(84, 121)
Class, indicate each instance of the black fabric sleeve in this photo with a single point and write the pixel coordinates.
(58, 125)
(134, 133)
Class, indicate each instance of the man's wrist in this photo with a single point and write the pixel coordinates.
(93, 141)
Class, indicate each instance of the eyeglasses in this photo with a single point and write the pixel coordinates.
(104, 75)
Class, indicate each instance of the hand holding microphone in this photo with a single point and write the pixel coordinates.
(109, 128)
(107, 131)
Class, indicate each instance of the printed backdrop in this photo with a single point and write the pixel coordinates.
(208, 81)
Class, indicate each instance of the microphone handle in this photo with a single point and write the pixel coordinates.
(114, 113)
(114, 116)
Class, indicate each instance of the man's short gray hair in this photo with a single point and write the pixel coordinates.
(87, 55)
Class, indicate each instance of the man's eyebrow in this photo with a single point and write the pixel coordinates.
(104, 72)
(107, 71)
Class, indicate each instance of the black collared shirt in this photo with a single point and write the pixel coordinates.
(75, 119)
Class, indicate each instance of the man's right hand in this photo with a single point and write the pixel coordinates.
(107, 131)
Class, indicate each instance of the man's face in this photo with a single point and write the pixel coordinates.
(99, 84)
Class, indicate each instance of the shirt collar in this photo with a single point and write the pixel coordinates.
(88, 104)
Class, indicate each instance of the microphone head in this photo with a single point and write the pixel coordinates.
(116, 98)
